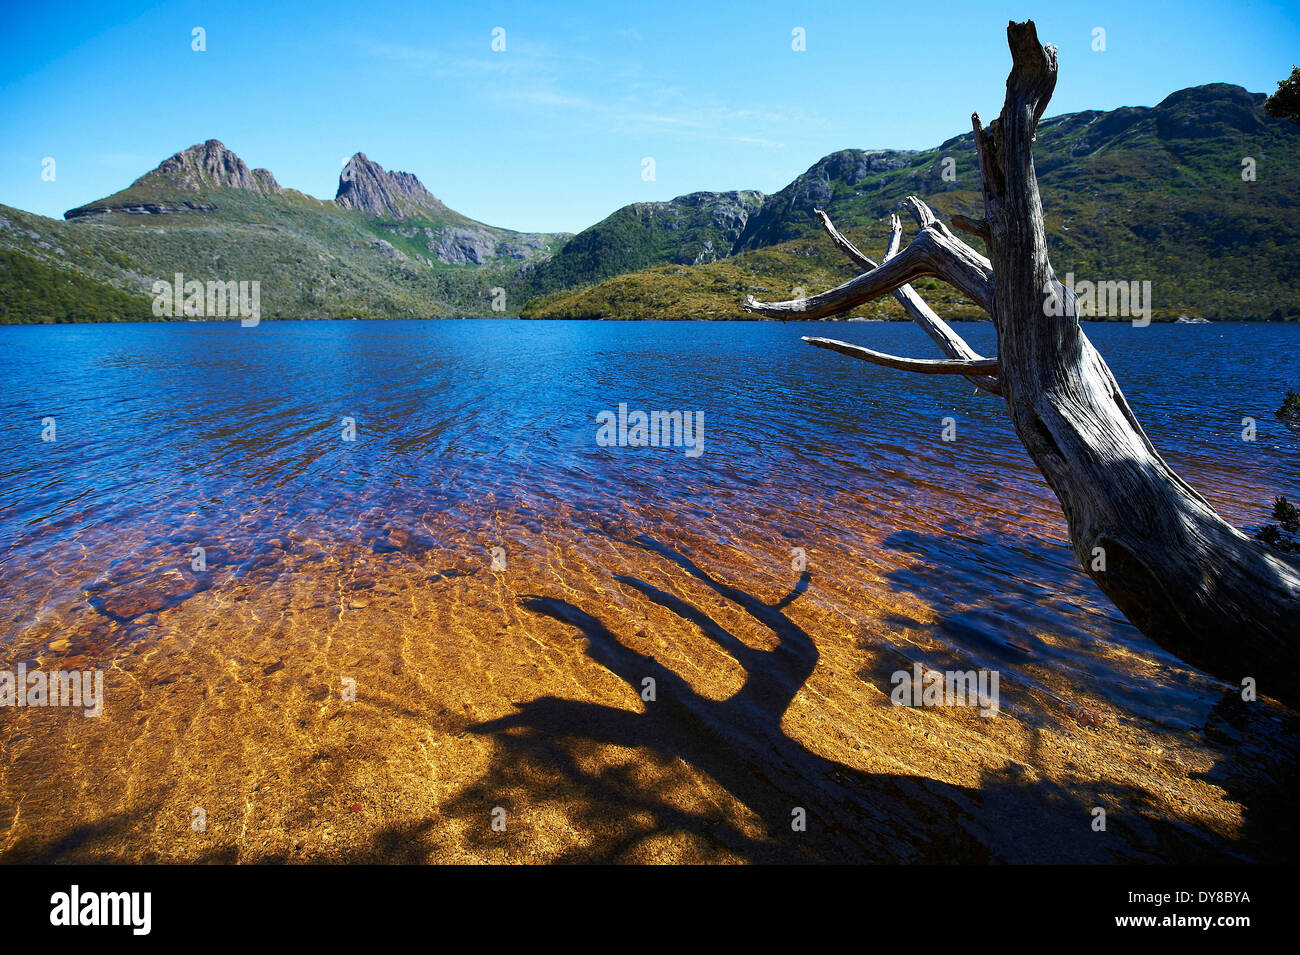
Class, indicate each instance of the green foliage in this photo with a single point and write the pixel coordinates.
(313, 259)
(1290, 407)
(33, 293)
(1285, 513)
(1285, 102)
(1134, 194)
(1285, 535)
(701, 227)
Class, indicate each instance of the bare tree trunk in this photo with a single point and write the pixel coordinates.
(1187, 579)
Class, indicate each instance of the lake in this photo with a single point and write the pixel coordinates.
(426, 591)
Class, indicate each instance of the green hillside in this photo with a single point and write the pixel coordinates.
(37, 294)
(1134, 194)
(204, 213)
(313, 262)
(698, 228)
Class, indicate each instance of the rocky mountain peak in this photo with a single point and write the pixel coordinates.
(210, 165)
(367, 187)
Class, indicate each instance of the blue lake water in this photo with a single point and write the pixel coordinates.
(159, 421)
(471, 435)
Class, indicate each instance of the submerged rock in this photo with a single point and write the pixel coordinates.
(156, 591)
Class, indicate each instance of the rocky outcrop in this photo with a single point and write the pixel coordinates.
(366, 186)
(211, 165)
(139, 209)
(386, 248)
(717, 215)
(462, 246)
(706, 255)
(474, 244)
(201, 169)
(525, 246)
(789, 213)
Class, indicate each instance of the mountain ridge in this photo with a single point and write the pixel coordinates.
(1157, 193)
(202, 167)
(1129, 192)
(367, 187)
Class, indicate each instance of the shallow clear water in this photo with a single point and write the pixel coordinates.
(477, 434)
(236, 434)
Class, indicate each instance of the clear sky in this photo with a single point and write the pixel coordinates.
(550, 133)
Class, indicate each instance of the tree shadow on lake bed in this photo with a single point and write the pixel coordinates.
(547, 756)
(998, 587)
(568, 800)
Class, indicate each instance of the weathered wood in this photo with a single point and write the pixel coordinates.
(952, 344)
(940, 332)
(934, 251)
(1187, 579)
(977, 227)
(843, 244)
(924, 366)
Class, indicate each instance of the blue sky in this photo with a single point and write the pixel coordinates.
(551, 133)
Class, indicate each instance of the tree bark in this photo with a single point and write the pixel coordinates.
(1187, 579)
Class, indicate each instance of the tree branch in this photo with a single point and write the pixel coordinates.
(912, 263)
(843, 244)
(924, 366)
(934, 252)
(979, 227)
(949, 342)
(940, 332)
(1188, 580)
(970, 272)
(922, 213)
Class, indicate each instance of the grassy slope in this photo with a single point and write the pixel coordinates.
(314, 260)
(35, 293)
(1132, 195)
(1129, 195)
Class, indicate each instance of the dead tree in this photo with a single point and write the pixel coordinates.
(1187, 579)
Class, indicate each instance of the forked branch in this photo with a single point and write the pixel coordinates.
(940, 332)
(843, 244)
(935, 251)
(1187, 579)
(965, 358)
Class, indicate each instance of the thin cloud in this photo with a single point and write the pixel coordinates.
(529, 77)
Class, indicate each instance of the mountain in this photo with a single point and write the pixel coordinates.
(384, 247)
(166, 190)
(395, 204)
(415, 219)
(1131, 194)
(366, 187)
(788, 214)
(689, 230)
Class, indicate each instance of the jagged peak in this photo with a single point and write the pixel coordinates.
(210, 165)
(367, 187)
